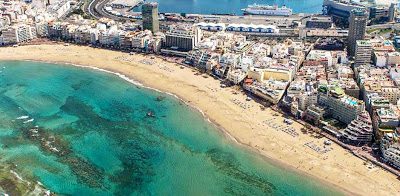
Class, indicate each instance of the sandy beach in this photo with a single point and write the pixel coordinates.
(261, 130)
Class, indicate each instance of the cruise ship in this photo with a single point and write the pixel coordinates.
(268, 10)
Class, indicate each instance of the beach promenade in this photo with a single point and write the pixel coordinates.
(247, 122)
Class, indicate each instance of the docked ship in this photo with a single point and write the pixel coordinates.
(268, 10)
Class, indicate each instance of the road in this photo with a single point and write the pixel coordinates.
(90, 9)
(95, 8)
(384, 26)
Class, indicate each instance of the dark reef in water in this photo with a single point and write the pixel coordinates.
(138, 168)
(227, 163)
(160, 98)
(85, 171)
(84, 132)
(80, 84)
(135, 159)
(118, 111)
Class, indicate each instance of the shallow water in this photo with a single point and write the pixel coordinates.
(91, 135)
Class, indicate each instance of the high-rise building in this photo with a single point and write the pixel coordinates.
(357, 25)
(150, 17)
(392, 12)
(363, 52)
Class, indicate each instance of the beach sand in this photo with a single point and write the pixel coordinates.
(337, 167)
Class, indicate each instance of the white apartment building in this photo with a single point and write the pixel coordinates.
(380, 59)
(236, 76)
(324, 33)
(360, 130)
(109, 38)
(230, 60)
(140, 39)
(387, 117)
(18, 33)
(393, 58)
(82, 35)
(94, 36)
(391, 93)
(390, 150)
(42, 29)
(307, 99)
(59, 8)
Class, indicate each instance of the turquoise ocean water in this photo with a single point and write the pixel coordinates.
(90, 135)
(233, 6)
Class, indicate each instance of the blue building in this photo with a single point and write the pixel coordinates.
(211, 26)
(252, 28)
(397, 41)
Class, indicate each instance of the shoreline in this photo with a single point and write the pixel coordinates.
(231, 135)
(138, 83)
(221, 129)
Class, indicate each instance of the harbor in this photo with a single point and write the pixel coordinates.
(248, 15)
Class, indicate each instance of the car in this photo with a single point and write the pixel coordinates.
(288, 121)
(327, 142)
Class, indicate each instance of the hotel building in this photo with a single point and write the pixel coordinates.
(182, 39)
(340, 106)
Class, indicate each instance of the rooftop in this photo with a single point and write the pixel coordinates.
(387, 113)
(359, 12)
(363, 43)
